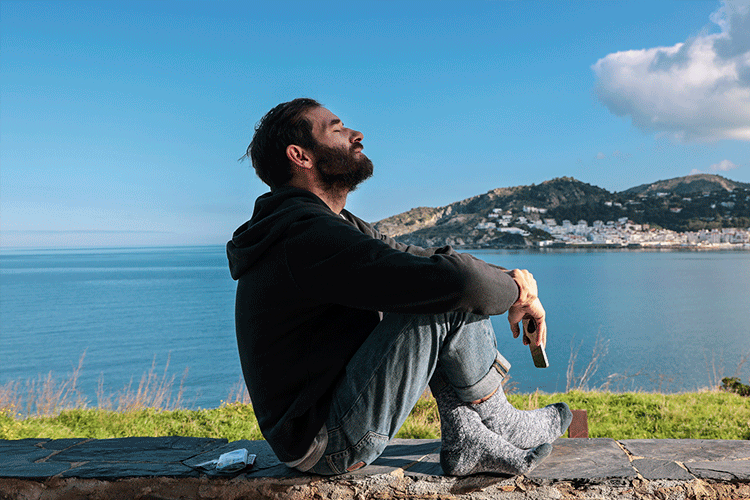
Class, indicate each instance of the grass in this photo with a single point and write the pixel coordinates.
(703, 415)
(232, 421)
(46, 408)
(630, 415)
(644, 415)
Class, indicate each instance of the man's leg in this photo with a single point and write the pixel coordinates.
(389, 373)
(522, 429)
(469, 446)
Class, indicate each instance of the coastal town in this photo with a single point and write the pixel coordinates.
(701, 211)
(619, 233)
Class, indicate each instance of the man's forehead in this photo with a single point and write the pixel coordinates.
(321, 118)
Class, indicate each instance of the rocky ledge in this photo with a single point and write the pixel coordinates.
(167, 468)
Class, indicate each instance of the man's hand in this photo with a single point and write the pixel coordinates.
(527, 307)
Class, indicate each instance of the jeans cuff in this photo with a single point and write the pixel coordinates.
(487, 384)
(314, 453)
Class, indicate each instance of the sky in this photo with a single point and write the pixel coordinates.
(121, 123)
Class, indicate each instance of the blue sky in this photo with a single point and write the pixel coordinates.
(122, 122)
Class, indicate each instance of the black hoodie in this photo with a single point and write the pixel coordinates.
(310, 287)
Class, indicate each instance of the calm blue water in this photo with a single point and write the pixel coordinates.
(673, 320)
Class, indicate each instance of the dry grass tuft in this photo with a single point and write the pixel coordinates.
(239, 394)
(43, 396)
(152, 392)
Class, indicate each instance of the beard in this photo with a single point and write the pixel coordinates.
(342, 169)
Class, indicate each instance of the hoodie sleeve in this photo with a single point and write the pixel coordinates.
(336, 262)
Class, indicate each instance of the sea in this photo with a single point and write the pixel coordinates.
(619, 320)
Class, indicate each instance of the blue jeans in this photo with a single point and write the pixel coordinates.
(391, 370)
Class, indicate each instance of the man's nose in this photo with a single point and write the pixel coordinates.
(356, 136)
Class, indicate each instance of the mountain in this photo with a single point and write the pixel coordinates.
(684, 203)
(690, 184)
(456, 224)
(549, 194)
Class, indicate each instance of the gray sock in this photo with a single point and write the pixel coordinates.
(524, 429)
(468, 447)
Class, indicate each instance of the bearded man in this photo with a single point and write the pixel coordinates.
(340, 328)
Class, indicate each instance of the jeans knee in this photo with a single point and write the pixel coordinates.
(460, 319)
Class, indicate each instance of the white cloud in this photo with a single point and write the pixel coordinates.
(695, 171)
(600, 156)
(722, 166)
(698, 90)
(620, 155)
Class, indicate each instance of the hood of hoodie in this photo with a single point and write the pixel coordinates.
(272, 216)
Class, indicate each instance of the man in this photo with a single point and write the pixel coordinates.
(340, 328)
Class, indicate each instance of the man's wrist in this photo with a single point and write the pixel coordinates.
(520, 300)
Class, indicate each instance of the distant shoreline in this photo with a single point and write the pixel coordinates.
(603, 246)
(8, 251)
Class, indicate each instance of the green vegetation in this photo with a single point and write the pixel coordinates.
(702, 415)
(233, 421)
(640, 415)
(733, 384)
(46, 408)
(712, 210)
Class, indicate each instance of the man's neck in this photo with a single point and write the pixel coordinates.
(336, 200)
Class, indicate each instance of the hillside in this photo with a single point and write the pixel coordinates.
(510, 217)
(690, 184)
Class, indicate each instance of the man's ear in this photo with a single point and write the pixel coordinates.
(299, 156)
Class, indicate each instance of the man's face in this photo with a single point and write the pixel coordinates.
(338, 152)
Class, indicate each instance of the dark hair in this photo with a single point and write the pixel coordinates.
(280, 127)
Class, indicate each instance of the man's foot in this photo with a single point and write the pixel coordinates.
(524, 429)
(469, 447)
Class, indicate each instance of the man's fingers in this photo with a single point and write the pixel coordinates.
(515, 329)
(537, 312)
(534, 314)
(530, 331)
(527, 309)
(541, 334)
(515, 315)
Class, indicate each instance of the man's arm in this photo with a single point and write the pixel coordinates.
(520, 276)
(332, 260)
(528, 306)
